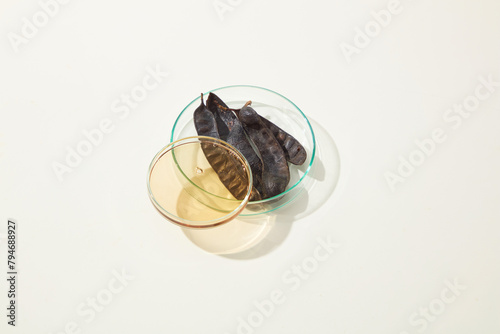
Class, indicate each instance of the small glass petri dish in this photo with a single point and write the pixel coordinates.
(277, 109)
(185, 186)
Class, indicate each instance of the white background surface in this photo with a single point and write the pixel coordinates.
(397, 248)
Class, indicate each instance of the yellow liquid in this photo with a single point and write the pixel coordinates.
(186, 189)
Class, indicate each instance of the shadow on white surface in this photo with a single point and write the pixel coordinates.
(251, 237)
(236, 236)
(325, 174)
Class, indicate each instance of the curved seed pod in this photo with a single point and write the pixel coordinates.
(231, 130)
(216, 105)
(204, 121)
(228, 168)
(294, 151)
(275, 172)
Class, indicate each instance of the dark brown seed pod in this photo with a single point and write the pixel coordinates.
(275, 172)
(231, 130)
(294, 151)
(216, 106)
(229, 170)
(204, 121)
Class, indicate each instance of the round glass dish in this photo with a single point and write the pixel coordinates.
(279, 110)
(185, 188)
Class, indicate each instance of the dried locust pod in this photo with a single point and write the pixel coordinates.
(231, 130)
(294, 151)
(275, 172)
(228, 168)
(204, 121)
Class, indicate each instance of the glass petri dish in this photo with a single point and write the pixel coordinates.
(279, 110)
(185, 187)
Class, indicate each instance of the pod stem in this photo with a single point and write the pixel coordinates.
(226, 108)
(231, 109)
